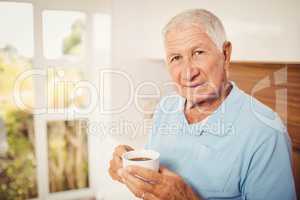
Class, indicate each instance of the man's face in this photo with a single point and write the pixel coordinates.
(195, 63)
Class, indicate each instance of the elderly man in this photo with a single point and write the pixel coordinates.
(215, 141)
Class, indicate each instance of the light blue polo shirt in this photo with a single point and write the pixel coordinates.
(242, 151)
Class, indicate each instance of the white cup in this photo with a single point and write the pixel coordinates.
(152, 164)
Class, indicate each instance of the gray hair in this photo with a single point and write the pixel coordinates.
(199, 17)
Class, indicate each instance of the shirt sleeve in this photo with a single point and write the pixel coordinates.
(270, 173)
(152, 130)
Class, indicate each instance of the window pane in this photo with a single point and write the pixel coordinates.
(62, 88)
(67, 154)
(17, 18)
(63, 34)
(17, 151)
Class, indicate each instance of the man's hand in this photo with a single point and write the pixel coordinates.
(116, 163)
(150, 185)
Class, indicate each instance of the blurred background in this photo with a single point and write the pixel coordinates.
(78, 77)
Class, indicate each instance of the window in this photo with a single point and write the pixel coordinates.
(67, 147)
(61, 88)
(63, 33)
(63, 39)
(45, 155)
(18, 178)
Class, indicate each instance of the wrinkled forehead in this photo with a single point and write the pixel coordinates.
(187, 36)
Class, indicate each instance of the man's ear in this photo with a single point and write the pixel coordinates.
(227, 48)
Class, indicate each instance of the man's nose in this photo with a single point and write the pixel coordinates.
(189, 73)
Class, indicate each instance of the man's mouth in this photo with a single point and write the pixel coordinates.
(195, 85)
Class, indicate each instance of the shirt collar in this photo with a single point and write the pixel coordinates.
(221, 121)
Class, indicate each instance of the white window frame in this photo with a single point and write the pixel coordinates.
(91, 65)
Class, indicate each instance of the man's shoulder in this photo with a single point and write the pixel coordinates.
(258, 123)
(260, 117)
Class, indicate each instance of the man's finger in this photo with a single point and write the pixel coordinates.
(118, 153)
(148, 174)
(118, 161)
(136, 182)
(113, 175)
(133, 189)
(121, 149)
(165, 171)
(149, 196)
(115, 164)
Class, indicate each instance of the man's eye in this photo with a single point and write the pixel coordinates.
(199, 52)
(175, 58)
